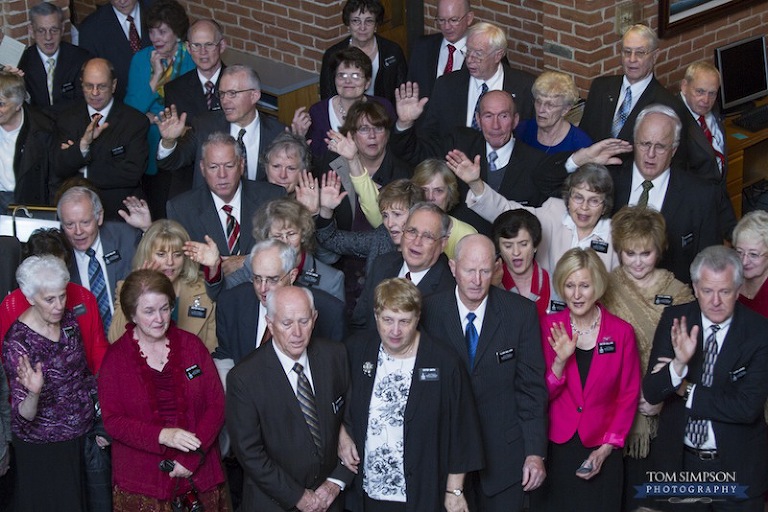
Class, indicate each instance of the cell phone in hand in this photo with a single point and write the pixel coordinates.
(167, 465)
(586, 467)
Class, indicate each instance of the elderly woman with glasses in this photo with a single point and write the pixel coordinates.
(579, 219)
(388, 65)
(750, 239)
(554, 94)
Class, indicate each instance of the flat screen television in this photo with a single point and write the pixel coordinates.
(744, 72)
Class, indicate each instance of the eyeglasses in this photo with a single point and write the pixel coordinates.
(547, 105)
(95, 87)
(657, 148)
(592, 202)
(450, 21)
(476, 54)
(365, 130)
(355, 77)
(639, 53)
(368, 22)
(42, 31)
(751, 256)
(285, 237)
(269, 281)
(426, 237)
(230, 95)
(198, 47)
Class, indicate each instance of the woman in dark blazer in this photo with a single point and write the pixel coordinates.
(413, 417)
(389, 65)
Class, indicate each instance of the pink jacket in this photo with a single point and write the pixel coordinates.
(601, 412)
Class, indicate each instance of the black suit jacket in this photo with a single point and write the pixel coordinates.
(102, 36)
(66, 76)
(734, 402)
(507, 379)
(196, 211)
(693, 211)
(701, 159)
(441, 428)
(393, 69)
(33, 159)
(189, 148)
(118, 238)
(187, 94)
(447, 107)
(269, 434)
(437, 279)
(117, 159)
(237, 317)
(425, 52)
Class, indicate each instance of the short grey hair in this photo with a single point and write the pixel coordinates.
(46, 272)
(718, 258)
(497, 39)
(272, 299)
(445, 219)
(293, 146)
(253, 76)
(288, 254)
(78, 194)
(45, 9)
(224, 139)
(646, 33)
(658, 108)
(12, 88)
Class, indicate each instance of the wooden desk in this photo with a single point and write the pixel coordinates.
(747, 160)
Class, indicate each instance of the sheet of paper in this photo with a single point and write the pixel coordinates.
(11, 51)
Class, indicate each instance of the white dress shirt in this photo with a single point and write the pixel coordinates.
(479, 313)
(655, 195)
(252, 141)
(638, 88)
(123, 20)
(495, 83)
(83, 260)
(458, 55)
(235, 204)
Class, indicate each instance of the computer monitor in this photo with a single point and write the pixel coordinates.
(743, 70)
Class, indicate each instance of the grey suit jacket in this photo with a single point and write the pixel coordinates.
(269, 434)
(507, 379)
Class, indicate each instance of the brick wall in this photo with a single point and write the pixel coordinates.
(576, 36)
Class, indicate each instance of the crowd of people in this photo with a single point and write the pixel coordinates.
(432, 291)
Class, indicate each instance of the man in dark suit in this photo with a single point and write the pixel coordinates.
(115, 31)
(610, 111)
(51, 67)
(27, 138)
(240, 91)
(285, 405)
(496, 334)
(434, 55)
(455, 96)
(203, 211)
(103, 139)
(706, 134)
(113, 243)
(240, 315)
(709, 366)
(420, 260)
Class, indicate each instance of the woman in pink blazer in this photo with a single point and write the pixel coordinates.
(593, 377)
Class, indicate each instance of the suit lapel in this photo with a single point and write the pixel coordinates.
(186, 299)
(209, 217)
(416, 391)
(491, 324)
(455, 331)
(323, 388)
(342, 169)
(279, 382)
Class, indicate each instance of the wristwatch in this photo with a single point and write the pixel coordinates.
(456, 492)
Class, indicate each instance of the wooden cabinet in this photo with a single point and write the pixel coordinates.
(747, 161)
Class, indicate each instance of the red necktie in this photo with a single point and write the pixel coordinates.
(449, 64)
(708, 135)
(233, 231)
(133, 35)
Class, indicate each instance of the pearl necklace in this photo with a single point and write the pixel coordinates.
(341, 109)
(588, 330)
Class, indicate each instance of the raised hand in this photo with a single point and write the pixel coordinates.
(331, 194)
(308, 192)
(683, 342)
(341, 145)
(138, 215)
(604, 152)
(30, 377)
(466, 170)
(206, 254)
(301, 122)
(408, 105)
(171, 125)
(92, 132)
(563, 345)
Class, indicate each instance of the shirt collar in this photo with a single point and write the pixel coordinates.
(460, 45)
(45, 57)
(135, 13)
(234, 203)
(214, 78)
(287, 363)
(637, 88)
(104, 112)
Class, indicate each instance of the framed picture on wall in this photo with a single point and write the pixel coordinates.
(676, 16)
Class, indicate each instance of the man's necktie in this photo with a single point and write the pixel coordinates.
(483, 90)
(696, 430)
(233, 231)
(643, 201)
(50, 67)
(241, 143)
(133, 35)
(209, 94)
(408, 276)
(492, 157)
(710, 139)
(471, 337)
(307, 405)
(98, 286)
(449, 63)
(623, 113)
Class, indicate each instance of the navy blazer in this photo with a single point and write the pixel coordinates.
(102, 36)
(734, 402)
(33, 159)
(66, 76)
(270, 435)
(187, 94)
(425, 52)
(507, 379)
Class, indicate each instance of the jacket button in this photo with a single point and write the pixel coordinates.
(578, 409)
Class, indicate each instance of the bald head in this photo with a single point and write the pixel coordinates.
(473, 266)
(99, 83)
(454, 18)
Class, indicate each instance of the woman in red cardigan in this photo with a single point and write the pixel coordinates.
(593, 377)
(161, 400)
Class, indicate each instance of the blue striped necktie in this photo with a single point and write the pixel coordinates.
(98, 288)
(307, 405)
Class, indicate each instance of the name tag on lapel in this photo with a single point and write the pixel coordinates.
(663, 300)
(193, 372)
(505, 355)
(69, 331)
(429, 374)
(67, 87)
(389, 61)
(599, 246)
(556, 305)
(738, 374)
(686, 240)
(112, 257)
(338, 404)
(119, 150)
(606, 347)
(79, 310)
